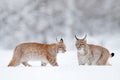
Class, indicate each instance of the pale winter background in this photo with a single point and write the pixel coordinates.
(45, 20)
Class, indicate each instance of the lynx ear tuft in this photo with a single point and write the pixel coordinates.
(61, 40)
(76, 37)
(85, 37)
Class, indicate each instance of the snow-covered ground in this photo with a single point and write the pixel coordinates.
(40, 20)
(68, 67)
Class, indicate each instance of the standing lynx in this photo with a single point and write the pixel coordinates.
(91, 54)
(47, 53)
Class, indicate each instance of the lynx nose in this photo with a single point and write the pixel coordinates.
(78, 47)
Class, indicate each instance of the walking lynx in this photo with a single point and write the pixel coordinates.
(91, 54)
(47, 53)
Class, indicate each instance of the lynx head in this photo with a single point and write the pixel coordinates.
(80, 43)
(61, 46)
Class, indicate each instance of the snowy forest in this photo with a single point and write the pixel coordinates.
(44, 20)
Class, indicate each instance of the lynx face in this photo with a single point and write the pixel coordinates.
(61, 46)
(80, 43)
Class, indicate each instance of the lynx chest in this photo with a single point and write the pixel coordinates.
(83, 59)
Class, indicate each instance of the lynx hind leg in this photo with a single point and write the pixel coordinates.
(102, 60)
(14, 62)
(16, 57)
(26, 64)
(43, 64)
(108, 64)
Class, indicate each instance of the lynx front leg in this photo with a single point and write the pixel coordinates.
(80, 61)
(26, 64)
(90, 61)
(53, 61)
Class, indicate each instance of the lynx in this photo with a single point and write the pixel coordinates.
(46, 53)
(91, 54)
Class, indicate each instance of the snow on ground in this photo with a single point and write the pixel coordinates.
(68, 67)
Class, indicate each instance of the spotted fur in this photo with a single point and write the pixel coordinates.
(46, 53)
(91, 54)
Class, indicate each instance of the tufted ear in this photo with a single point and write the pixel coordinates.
(76, 37)
(85, 37)
(61, 40)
